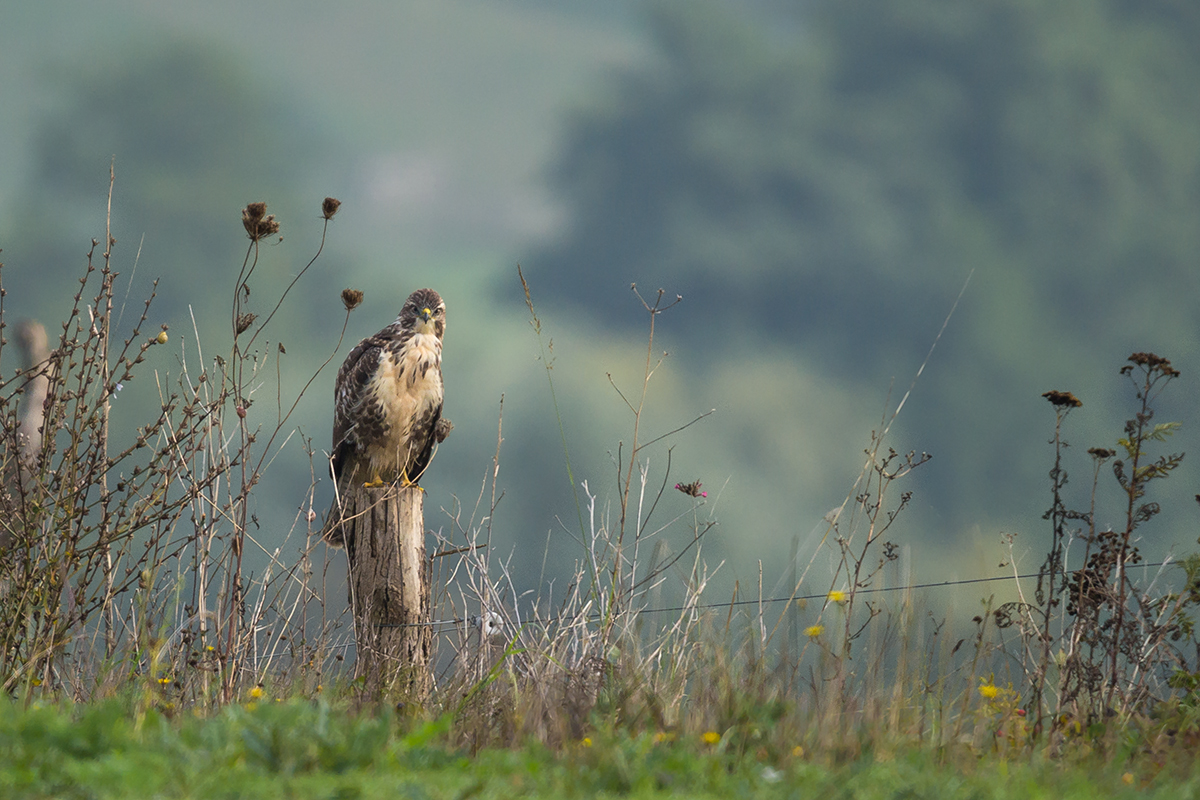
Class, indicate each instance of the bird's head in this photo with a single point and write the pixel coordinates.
(424, 312)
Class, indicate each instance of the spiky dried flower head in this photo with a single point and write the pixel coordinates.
(257, 222)
(351, 298)
(1152, 362)
(329, 207)
(1101, 452)
(691, 489)
(244, 321)
(1062, 399)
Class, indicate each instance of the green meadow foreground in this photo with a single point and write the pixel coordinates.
(299, 748)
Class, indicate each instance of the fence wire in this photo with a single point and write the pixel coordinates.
(476, 620)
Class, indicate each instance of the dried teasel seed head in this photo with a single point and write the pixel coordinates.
(1062, 399)
(329, 207)
(253, 212)
(245, 321)
(351, 298)
(1154, 363)
(257, 222)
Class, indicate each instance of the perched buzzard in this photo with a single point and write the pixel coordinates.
(387, 411)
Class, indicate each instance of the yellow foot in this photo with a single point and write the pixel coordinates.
(374, 483)
(405, 483)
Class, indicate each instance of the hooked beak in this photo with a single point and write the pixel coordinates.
(425, 321)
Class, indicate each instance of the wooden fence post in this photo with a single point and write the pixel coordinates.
(21, 461)
(384, 533)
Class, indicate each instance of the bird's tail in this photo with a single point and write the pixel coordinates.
(332, 531)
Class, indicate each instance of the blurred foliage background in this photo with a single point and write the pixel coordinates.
(816, 179)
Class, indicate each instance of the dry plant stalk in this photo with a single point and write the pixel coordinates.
(1095, 644)
(554, 664)
(137, 539)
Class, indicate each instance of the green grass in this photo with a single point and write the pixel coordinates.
(301, 748)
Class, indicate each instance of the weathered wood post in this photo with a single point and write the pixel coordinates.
(25, 447)
(384, 534)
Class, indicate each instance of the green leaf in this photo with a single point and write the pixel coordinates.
(1162, 430)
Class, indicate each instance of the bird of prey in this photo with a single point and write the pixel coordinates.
(387, 412)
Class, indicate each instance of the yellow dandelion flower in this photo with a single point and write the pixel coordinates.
(837, 596)
(256, 692)
(711, 737)
(587, 741)
(813, 631)
(798, 751)
(164, 681)
(989, 691)
(1127, 778)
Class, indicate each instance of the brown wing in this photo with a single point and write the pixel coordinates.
(425, 435)
(353, 422)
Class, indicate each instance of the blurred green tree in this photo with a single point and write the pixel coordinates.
(194, 136)
(825, 180)
(865, 155)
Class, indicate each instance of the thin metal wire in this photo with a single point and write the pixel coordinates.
(766, 600)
